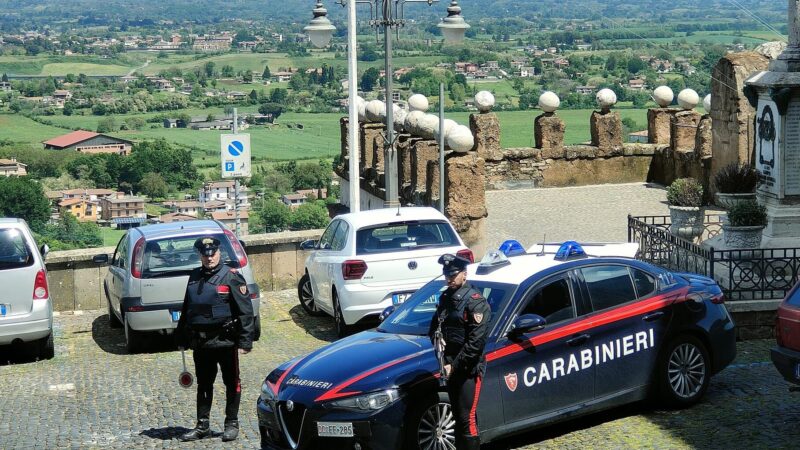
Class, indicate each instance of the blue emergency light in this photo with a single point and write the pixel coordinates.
(569, 250)
(511, 247)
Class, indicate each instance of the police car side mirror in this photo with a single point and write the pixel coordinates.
(100, 259)
(527, 323)
(386, 313)
(309, 244)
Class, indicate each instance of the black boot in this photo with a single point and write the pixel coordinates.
(231, 431)
(202, 430)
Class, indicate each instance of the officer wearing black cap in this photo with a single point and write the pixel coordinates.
(463, 315)
(217, 323)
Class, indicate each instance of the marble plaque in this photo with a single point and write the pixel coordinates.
(791, 149)
(768, 140)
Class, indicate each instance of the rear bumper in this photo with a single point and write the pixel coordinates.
(159, 316)
(36, 324)
(787, 362)
(358, 301)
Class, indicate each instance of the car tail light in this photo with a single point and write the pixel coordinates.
(466, 253)
(778, 336)
(40, 289)
(241, 256)
(353, 269)
(135, 308)
(718, 299)
(138, 258)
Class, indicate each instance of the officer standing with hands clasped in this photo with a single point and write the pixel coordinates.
(217, 323)
(462, 315)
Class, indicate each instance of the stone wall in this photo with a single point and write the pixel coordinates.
(76, 283)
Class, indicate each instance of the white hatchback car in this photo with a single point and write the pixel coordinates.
(369, 260)
(26, 310)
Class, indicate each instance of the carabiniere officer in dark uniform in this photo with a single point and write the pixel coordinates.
(217, 323)
(463, 314)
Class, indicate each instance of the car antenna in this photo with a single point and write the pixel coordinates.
(544, 239)
(398, 208)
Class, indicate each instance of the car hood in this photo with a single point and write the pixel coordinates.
(362, 363)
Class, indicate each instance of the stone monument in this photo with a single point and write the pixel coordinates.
(775, 93)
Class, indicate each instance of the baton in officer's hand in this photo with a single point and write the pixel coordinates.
(438, 347)
(185, 379)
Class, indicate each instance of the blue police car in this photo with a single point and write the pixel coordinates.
(574, 330)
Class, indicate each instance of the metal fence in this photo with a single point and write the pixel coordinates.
(747, 274)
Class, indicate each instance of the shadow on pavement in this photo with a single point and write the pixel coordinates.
(164, 434)
(321, 327)
(112, 340)
(18, 354)
(570, 426)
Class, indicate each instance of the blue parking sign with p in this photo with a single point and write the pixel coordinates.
(235, 155)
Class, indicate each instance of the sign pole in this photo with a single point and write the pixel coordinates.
(236, 180)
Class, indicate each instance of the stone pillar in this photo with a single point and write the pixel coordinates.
(486, 129)
(378, 166)
(465, 198)
(432, 185)
(734, 118)
(683, 130)
(405, 143)
(606, 128)
(702, 144)
(423, 151)
(344, 145)
(370, 137)
(548, 132)
(658, 125)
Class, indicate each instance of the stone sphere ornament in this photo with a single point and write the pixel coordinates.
(707, 103)
(460, 139)
(549, 101)
(484, 101)
(375, 110)
(449, 124)
(400, 119)
(663, 95)
(361, 108)
(606, 98)
(418, 102)
(688, 99)
(412, 121)
(427, 125)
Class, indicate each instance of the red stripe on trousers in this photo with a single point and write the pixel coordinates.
(238, 381)
(473, 425)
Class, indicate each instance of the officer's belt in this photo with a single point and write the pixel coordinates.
(207, 334)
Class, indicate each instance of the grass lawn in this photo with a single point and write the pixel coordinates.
(61, 65)
(111, 236)
(19, 128)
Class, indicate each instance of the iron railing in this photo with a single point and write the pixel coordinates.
(747, 274)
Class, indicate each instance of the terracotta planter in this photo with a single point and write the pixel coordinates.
(728, 200)
(686, 221)
(742, 237)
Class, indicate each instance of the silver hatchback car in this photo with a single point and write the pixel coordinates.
(26, 311)
(149, 271)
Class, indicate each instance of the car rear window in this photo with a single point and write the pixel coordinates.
(165, 257)
(14, 252)
(404, 236)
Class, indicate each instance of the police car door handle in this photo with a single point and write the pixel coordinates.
(653, 316)
(578, 340)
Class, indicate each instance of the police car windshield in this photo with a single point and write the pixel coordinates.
(414, 316)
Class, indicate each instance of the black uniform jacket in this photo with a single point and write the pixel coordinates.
(240, 333)
(464, 315)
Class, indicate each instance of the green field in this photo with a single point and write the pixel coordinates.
(61, 65)
(111, 237)
(19, 128)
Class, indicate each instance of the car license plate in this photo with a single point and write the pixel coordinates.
(335, 429)
(176, 315)
(3, 310)
(400, 298)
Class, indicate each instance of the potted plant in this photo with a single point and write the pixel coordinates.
(746, 222)
(735, 182)
(685, 198)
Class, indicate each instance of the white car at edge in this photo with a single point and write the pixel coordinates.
(369, 260)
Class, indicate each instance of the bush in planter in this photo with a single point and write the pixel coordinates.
(685, 192)
(747, 214)
(736, 178)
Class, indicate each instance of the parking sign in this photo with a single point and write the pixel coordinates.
(235, 152)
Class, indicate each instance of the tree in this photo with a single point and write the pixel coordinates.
(271, 108)
(309, 216)
(5, 77)
(228, 71)
(24, 198)
(68, 233)
(279, 95)
(153, 185)
(369, 79)
(266, 75)
(158, 156)
(107, 125)
(253, 96)
(209, 69)
(247, 76)
(273, 215)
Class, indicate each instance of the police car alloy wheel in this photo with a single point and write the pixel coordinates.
(684, 373)
(433, 426)
(306, 296)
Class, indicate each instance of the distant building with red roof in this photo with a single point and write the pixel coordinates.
(89, 142)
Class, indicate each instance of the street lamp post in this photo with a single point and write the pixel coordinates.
(386, 15)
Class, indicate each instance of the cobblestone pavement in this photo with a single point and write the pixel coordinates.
(582, 213)
(94, 395)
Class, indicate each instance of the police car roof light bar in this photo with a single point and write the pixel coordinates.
(511, 247)
(491, 262)
(569, 250)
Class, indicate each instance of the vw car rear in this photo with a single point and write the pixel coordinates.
(786, 355)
